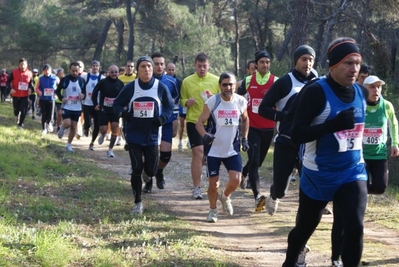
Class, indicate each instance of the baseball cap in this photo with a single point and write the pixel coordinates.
(35, 70)
(372, 79)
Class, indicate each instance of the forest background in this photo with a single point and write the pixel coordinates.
(230, 32)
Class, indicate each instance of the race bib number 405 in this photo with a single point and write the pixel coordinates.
(143, 109)
(350, 139)
(372, 136)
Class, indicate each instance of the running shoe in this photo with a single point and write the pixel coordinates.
(248, 185)
(160, 180)
(292, 178)
(147, 187)
(118, 141)
(60, 133)
(138, 208)
(110, 154)
(68, 147)
(91, 147)
(212, 216)
(101, 139)
(301, 261)
(197, 193)
(44, 132)
(243, 182)
(272, 205)
(50, 127)
(86, 132)
(180, 148)
(226, 203)
(327, 211)
(337, 264)
(260, 203)
(146, 178)
(33, 117)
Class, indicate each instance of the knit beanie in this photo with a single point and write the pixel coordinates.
(303, 50)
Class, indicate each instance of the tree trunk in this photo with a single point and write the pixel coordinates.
(318, 48)
(284, 46)
(237, 39)
(327, 39)
(120, 28)
(101, 40)
(131, 20)
(300, 25)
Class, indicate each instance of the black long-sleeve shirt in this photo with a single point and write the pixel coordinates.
(309, 103)
(108, 88)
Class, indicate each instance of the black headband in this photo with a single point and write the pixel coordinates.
(340, 51)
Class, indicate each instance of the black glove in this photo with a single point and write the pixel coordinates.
(343, 121)
(158, 121)
(208, 138)
(127, 116)
(244, 144)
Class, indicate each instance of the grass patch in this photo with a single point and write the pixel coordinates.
(60, 209)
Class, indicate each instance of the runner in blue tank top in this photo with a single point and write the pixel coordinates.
(329, 120)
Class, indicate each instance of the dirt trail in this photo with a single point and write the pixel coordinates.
(251, 239)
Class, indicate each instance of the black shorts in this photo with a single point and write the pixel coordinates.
(71, 114)
(193, 136)
(108, 117)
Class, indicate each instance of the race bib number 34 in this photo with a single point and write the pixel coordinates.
(227, 118)
(143, 109)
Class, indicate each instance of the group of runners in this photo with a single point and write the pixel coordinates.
(333, 129)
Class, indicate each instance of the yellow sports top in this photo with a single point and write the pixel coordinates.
(127, 79)
(200, 89)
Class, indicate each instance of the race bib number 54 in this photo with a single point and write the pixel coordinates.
(143, 109)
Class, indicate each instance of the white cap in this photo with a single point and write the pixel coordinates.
(372, 79)
(34, 70)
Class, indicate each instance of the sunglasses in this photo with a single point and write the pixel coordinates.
(114, 71)
(227, 84)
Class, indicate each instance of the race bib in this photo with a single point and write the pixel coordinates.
(350, 139)
(23, 86)
(255, 105)
(372, 136)
(143, 109)
(73, 100)
(205, 95)
(48, 91)
(89, 95)
(227, 117)
(108, 102)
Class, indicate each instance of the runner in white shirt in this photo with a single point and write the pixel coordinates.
(223, 112)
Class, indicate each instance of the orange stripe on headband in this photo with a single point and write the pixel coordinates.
(341, 51)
